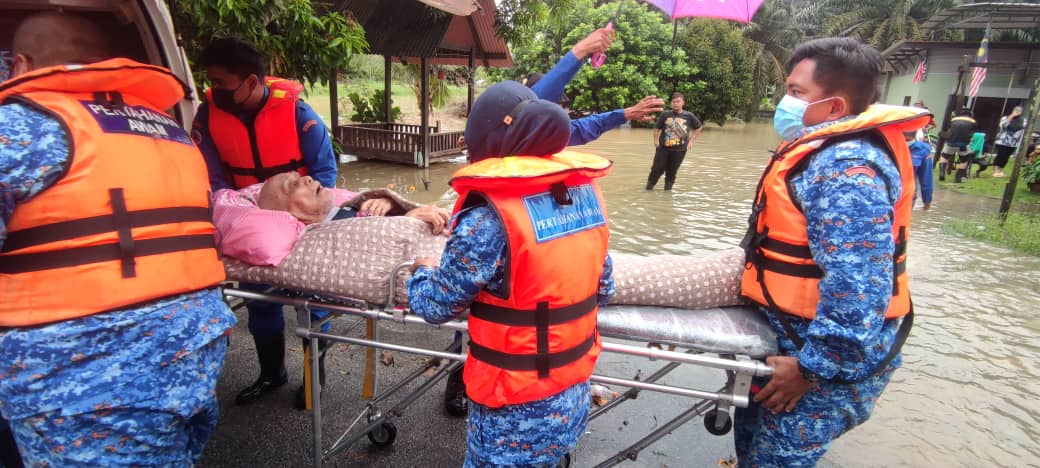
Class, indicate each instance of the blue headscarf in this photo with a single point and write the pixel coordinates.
(509, 120)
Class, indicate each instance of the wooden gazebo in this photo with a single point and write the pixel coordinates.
(412, 32)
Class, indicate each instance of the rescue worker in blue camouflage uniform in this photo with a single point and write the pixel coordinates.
(251, 127)
(550, 86)
(495, 266)
(826, 251)
(112, 327)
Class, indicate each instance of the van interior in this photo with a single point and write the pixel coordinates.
(142, 29)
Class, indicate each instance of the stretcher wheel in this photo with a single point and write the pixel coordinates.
(383, 435)
(712, 416)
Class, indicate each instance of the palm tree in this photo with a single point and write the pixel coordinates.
(879, 23)
(772, 33)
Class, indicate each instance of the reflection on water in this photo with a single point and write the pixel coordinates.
(964, 396)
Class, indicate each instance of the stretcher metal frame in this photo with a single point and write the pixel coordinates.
(378, 425)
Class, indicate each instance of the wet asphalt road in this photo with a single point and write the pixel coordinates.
(270, 433)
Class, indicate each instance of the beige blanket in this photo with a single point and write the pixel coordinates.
(356, 257)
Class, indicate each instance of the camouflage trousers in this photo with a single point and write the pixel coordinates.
(535, 434)
(801, 437)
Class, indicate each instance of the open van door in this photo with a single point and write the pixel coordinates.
(142, 29)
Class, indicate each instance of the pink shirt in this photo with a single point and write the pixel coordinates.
(254, 235)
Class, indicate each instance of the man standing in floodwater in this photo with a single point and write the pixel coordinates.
(826, 255)
(674, 134)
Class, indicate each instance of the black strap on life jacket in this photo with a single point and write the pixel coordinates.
(125, 249)
(541, 319)
(897, 346)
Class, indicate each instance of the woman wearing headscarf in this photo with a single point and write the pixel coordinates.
(528, 259)
(1009, 136)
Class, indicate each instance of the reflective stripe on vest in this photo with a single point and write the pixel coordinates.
(128, 222)
(537, 336)
(269, 146)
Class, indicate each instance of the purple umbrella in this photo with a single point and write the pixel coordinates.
(735, 10)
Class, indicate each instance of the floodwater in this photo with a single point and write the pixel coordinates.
(965, 395)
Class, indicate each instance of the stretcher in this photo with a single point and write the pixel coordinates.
(730, 339)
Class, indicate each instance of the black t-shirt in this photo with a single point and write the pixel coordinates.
(676, 128)
(961, 130)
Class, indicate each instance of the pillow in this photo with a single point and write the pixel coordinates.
(254, 235)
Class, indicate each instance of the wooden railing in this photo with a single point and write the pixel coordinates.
(378, 139)
(396, 142)
(396, 127)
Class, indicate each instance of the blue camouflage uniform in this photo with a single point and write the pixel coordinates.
(849, 338)
(531, 434)
(127, 387)
(585, 129)
(266, 318)
(921, 153)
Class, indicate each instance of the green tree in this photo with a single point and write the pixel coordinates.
(301, 40)
(641, 61)
(723, 84)
(771, 36)
(879, 23)
(412, 73)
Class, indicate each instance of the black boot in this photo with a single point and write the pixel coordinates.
(962, 175)
(455, 401)
(300, 402)
(9, 456)
(271, 352)
(942, 172)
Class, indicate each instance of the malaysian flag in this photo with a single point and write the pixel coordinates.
(922, 68)
(978, 74)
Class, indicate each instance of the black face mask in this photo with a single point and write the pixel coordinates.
(224, 99)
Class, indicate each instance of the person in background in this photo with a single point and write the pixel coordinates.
(826, 255)
(674, 134)
(955, 152)
(112, 323)
(249, 128)
(921, 154)
(924, 134)
(508, 264)
(1009, 135)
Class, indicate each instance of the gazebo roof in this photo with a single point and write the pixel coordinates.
(409, 29)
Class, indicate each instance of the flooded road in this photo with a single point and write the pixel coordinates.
(964, 396)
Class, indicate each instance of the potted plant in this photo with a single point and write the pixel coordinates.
(1031, 175)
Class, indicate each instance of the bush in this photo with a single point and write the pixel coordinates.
(372, 110)
(1031, 173)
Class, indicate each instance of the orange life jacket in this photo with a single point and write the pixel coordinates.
(780, 272)
(537, 336)
(270, 146)
(129, 221)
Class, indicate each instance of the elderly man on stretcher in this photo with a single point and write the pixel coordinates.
(294, 234)
(286, 221)
(260, 224)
